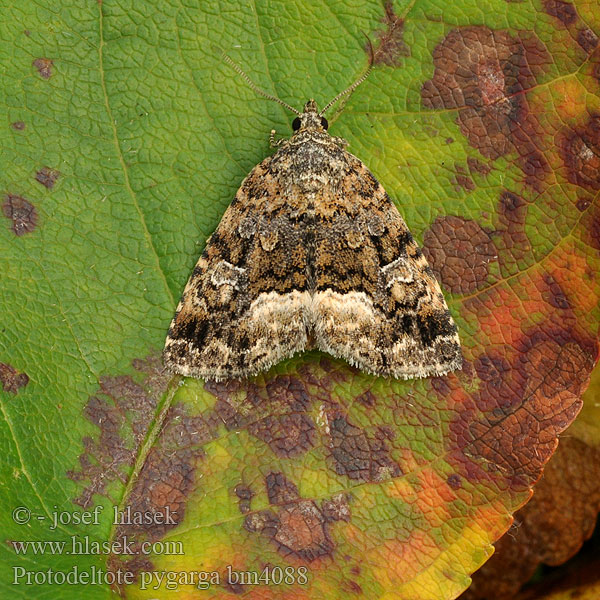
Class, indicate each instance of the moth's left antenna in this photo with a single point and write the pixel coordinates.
(252, 85)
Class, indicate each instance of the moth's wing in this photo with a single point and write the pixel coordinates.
(244, 306)
(377, 302)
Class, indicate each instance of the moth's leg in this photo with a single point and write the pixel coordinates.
(273, 142)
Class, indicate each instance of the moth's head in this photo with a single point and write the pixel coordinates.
(310, 119)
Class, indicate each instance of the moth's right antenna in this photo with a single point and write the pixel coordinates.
(251, 83)
(358, 81)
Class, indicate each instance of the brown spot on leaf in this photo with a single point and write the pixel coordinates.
(264, 521)
(564, 11)
(280, 489)
(123, 410)
(511, 206)
(302, 531)
(484, 74)
(357, 455)
(245, 494)
(288, 435)
(21, 212)
(465, 182)
(227, 394)
(387, 432)
(288, 429)
(580, 150)
(476, 166)
(587, 39)
(11, 379)
(566, 15)
(336, 509)
(298, 527)
(454, 481)
(583, 203)
(459, 252)
(367, 398)
(135, 565)
(47, 176)
(44, 67)
(167, 477)
(391, 40)
(554, 294)
(18, 125)
(120, 400)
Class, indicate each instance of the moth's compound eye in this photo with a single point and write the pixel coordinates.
(324, 123)
(296, 124)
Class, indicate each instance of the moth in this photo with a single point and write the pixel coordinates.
(311, 253)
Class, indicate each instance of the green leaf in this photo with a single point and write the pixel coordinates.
(125, 139)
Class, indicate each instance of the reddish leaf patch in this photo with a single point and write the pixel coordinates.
(580, 150)
(484, 74)
(460, 252)
(527, 397)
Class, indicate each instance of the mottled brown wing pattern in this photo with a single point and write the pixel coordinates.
(376, 303)
(243, 308)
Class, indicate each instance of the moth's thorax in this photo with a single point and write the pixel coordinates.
(309, 162)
